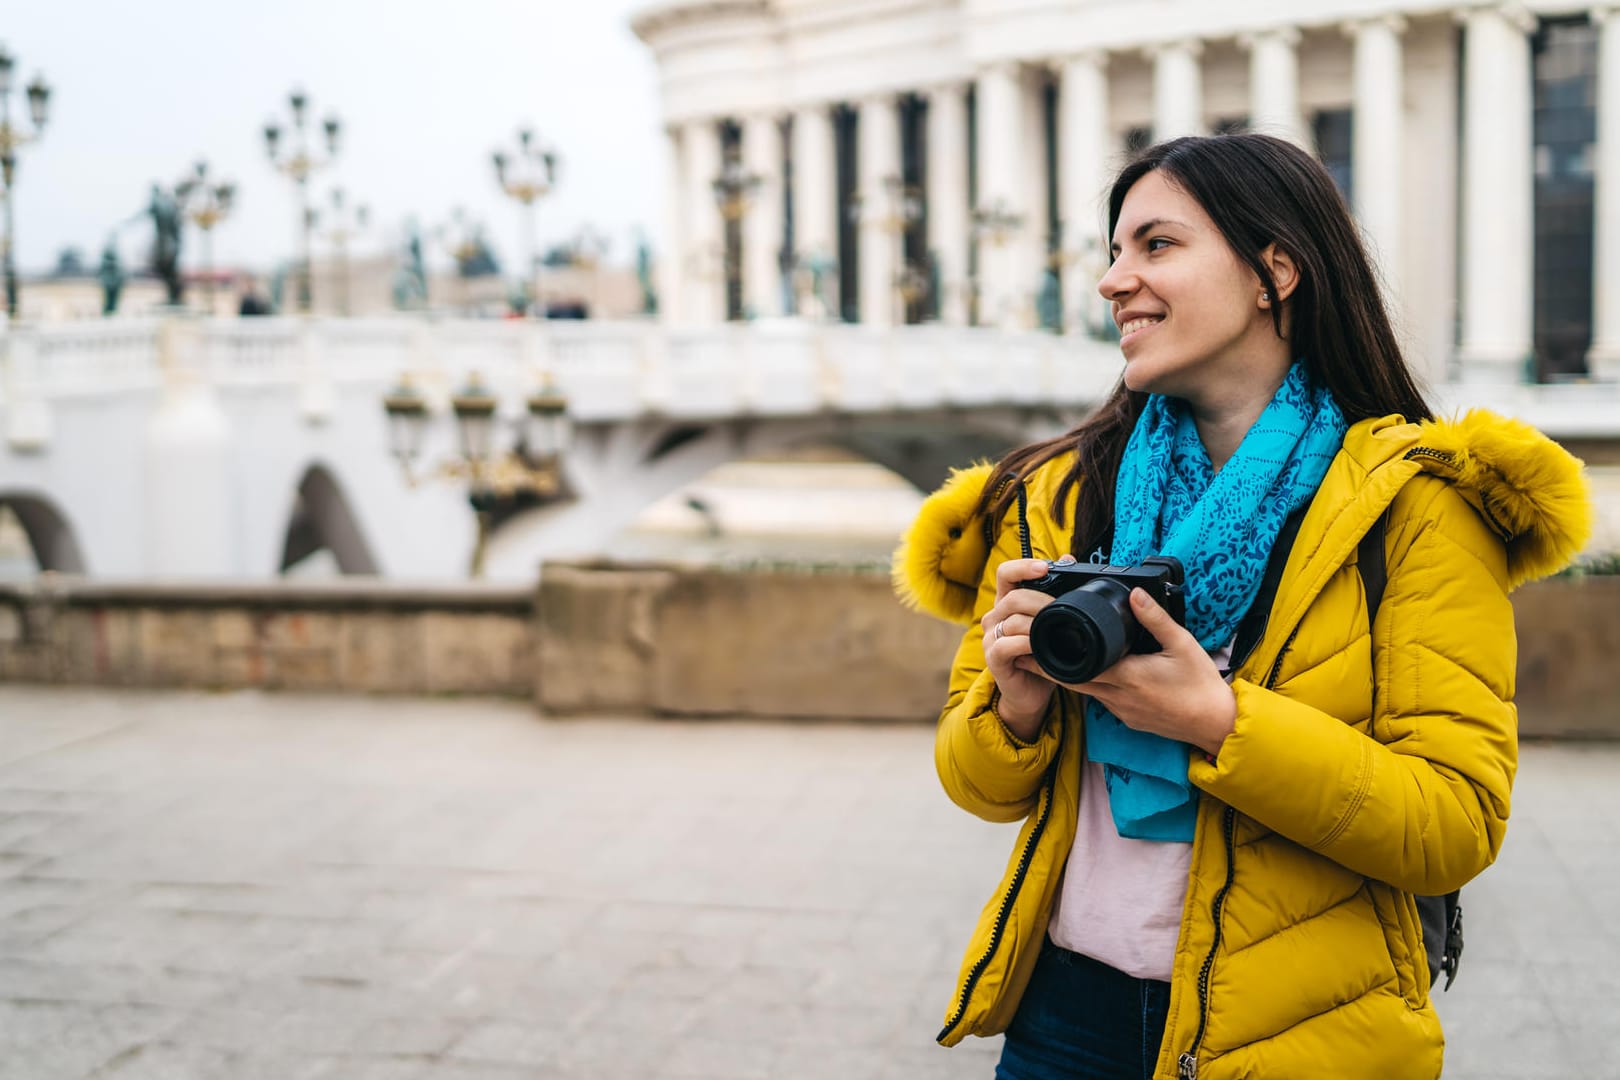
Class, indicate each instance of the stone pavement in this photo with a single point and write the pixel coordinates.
(246, 886)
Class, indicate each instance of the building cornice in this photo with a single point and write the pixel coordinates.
(654, 19)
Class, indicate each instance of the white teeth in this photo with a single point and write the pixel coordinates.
(1136, 324)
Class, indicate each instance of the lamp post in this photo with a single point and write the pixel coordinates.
(995, 223)
(462, 240)
(527, 474)
(206, 205)
(528, 176)
(905, 209)
(298, 162)
(11, 139)
(346, 222)
(734, 190)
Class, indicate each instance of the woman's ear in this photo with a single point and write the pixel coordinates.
(1284, 273)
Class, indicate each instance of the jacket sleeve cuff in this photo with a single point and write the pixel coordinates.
(1288, 766)
(992, 765)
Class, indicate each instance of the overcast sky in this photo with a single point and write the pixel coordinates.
(141, 90)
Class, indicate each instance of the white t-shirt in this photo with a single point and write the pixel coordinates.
(1121, 899)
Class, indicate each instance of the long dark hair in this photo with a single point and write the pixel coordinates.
(1258, 190)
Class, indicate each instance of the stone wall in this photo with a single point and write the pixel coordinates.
(789, 642)
(344, 636)
(827, 644)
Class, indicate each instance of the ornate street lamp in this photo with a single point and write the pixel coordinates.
(13, 138)
(899, 211)
(528, 474)
(206, 204)
(298, 162)
(346, 222)
(528, 176)
(734, 191)
(994, 224)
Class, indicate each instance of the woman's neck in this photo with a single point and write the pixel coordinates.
(1222, 425)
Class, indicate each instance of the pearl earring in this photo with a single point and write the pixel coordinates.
(1266, 297)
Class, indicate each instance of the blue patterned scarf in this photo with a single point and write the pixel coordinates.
(1171, 501)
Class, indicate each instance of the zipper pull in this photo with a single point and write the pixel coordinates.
(1187, 1067)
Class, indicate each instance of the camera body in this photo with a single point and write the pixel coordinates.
(1089, 626)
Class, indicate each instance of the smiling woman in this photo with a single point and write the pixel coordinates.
(1240, 770)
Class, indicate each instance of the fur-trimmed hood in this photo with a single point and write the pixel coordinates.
(1530, 491)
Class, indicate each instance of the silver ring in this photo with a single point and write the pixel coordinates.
(999, 625)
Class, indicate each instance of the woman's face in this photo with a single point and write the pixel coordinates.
(1192, 321)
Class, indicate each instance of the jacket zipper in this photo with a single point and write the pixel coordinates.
(1428, 451)
(1005, 908)
(1187, 1064)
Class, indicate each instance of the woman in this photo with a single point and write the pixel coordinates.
(1216, 872)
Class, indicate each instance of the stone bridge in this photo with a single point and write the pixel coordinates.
(185, 448)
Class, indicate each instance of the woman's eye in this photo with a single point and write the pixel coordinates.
(1158, 243)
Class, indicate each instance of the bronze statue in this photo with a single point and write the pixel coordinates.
(111, 275)
(166, 222)
(649, 294)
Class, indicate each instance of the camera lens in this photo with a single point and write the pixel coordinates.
(1083, 632)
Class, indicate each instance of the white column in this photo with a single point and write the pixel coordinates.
(1603, 361)
(1498, 245)
(1377, 134)
(1274, 84)
(815, 209)
(1000, 152)
(878, 161)
(948, 220)
(705, 302)
(762, 228)
(1083, 156)
(1178, 89)
(672, 253)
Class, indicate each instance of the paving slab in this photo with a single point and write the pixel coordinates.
(247, 885)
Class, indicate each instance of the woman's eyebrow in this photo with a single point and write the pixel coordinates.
(1149, 225)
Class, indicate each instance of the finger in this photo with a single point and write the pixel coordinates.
(1025, 602)
(1014, 572)
(1157, 621)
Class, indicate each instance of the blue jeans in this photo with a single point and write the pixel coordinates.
(1080, 1019)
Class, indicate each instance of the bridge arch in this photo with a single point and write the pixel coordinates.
(50, 534)
(321, 519)
(618, 470)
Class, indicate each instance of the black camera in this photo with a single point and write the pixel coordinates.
(1089, 626)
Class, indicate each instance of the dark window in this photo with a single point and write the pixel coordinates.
(1332, 129)
(1049, 302)
(849, 294)
(731, 155)
(1565, 132)
(973, 202)
(912, 276)
(785, 261)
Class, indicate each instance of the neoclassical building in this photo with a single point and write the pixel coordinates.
(887, 161)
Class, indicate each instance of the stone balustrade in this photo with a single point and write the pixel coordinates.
(789, 642)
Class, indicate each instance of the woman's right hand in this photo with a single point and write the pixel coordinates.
(1025, 691)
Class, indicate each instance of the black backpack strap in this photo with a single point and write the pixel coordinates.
(1253, 626)
(1370, 562)
(1439, 916)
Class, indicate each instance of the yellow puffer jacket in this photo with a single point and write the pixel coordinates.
(1362, 769)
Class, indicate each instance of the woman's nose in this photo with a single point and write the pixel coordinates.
(1117, 282)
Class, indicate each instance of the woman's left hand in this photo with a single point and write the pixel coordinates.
(1177, 692)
